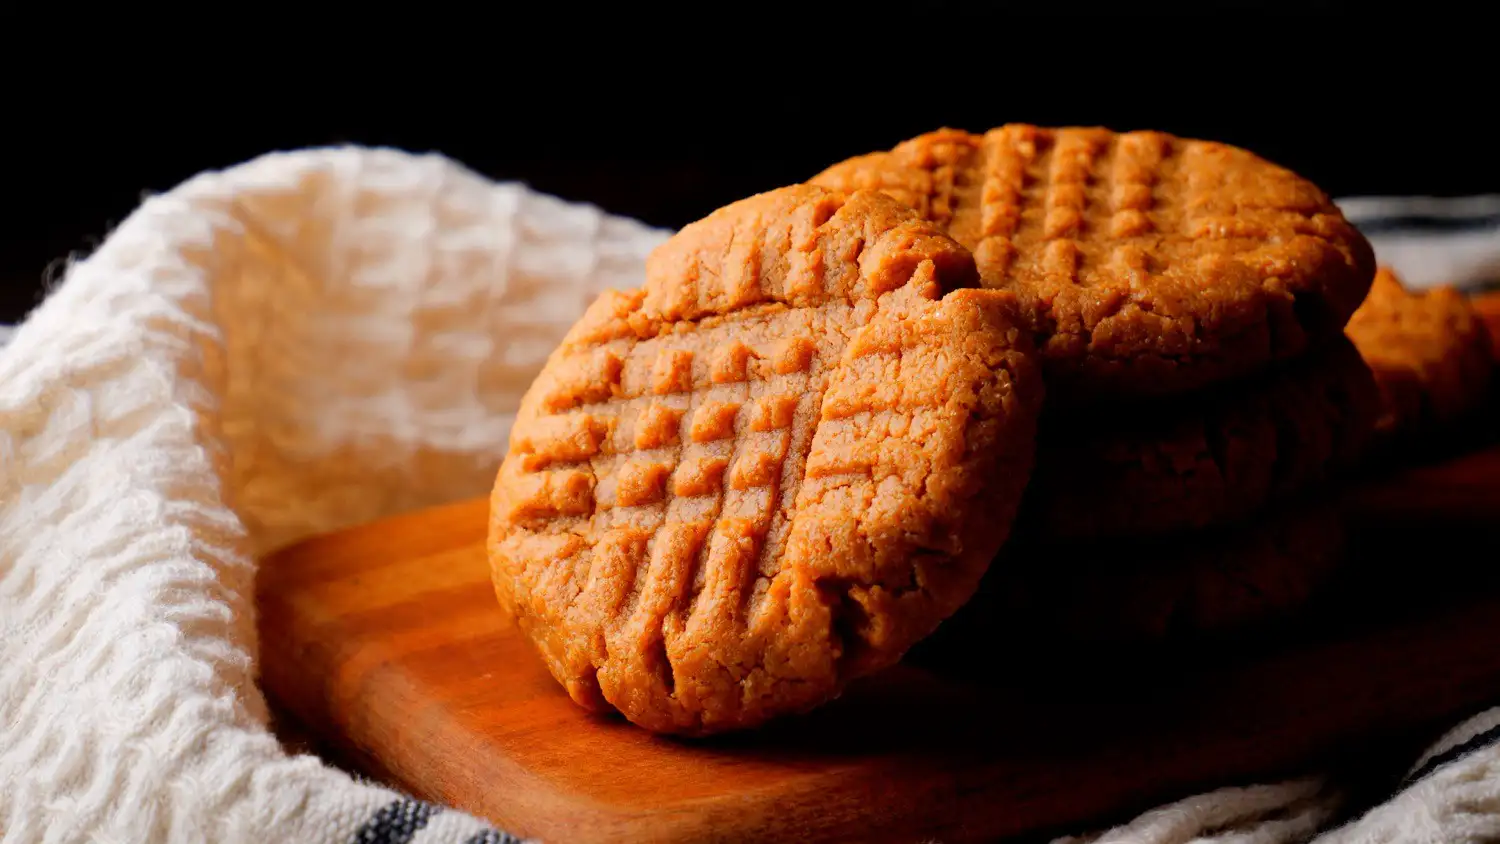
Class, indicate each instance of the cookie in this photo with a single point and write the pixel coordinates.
(1430, 352)
(771, 470)
(1146, 264)
(1168, 589)
(1206, 459)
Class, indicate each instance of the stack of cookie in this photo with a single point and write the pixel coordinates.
(803, 444)
(1188, 301)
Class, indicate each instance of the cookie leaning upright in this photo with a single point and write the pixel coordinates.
(771, 470)
(1146, 264)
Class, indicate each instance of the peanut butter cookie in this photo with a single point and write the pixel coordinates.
(1206, 459)
(1430, 353)
(1146, 264)
(1187, 586)
(771, 470)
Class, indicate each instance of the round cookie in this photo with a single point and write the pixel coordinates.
(1166, 589)
(1146, 264)
(1207, 459)
(771, 470)
(1430, 353)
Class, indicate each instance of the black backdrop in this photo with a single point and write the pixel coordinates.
(668, 145)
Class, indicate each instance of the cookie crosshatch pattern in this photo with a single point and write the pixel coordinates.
(1146, 264)
(771, 470)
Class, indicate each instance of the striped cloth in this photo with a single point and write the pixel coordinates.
(1433, 241)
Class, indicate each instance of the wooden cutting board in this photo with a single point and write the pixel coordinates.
(385, 641)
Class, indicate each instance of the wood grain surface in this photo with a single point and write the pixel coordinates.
(385, 641)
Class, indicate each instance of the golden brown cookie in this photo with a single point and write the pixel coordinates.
(771, 470)
(1430, 353)
(1178, 587)
(1209, 458)
(1145, 263)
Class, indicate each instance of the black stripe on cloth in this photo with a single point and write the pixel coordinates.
(1454, 753)
(492, 836)
(396, 823)
(1425, 224)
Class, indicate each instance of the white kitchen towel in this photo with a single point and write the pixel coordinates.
(301, 343)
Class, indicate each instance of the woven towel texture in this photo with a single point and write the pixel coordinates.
(305, 342)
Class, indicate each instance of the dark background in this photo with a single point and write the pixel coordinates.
(1359, 111)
